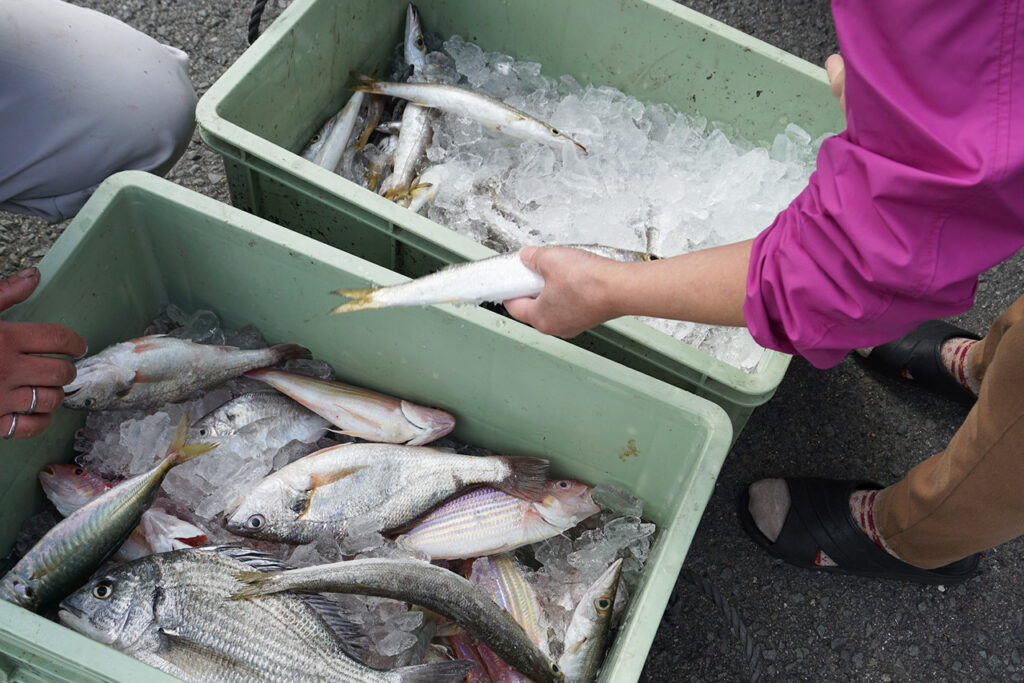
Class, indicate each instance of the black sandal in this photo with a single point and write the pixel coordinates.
(919, 352)
(819, 519)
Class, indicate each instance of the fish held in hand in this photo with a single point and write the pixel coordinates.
(173, 611)
(75, 547)
(587, 634)
(422, 584)
(361, 412)
(488, 521)
(157, 369)
(493, 279)
(387, 485)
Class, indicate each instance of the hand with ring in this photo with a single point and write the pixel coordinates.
(30, 383)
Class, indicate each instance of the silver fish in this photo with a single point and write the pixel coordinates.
(361, 412)
(487, 111)
(587, 634)
(414, 47)
(491, 279)
(423, 584)
(173, 612)
(72, 550)
(413, 141)
(386, 484)
(257, 413)
(331, 141)
(149, 371)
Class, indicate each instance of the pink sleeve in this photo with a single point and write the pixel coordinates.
(921, 193)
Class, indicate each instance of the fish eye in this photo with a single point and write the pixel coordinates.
(22, 589)
(255, 522)
(602, 604)
(555, 132)
(103, 590)
(88, 402)
(78, 471)
(563, 484)
(554, 668)
(419, 42)
(315, 139)
(202, 432)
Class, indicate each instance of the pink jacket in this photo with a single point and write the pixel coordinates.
(921, 193)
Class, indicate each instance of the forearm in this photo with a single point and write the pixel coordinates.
(706, 286)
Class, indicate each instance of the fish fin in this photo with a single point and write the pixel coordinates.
(353, 637)
(285, 352)
(527, 478)
(317, 480)
(127, 389)
(260, 561)
(360, 299)
(441, 672)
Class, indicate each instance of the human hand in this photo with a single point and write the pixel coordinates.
(575, 295)
(22, 370)
(836, 70)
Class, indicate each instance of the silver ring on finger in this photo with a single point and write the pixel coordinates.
(14, 425)
(32, 405)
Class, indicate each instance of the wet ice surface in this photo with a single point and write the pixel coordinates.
(653, 179)
(119, 444)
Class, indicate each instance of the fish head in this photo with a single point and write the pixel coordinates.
(219, 423)
(98, 384)
(117, 607)
(271, 511)
(430, 423)
(19, 588)
(415, 46)
(69, 486)
(566, 503)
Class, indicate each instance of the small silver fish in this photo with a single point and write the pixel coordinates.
(491, 279)
(331, 141)
(149, 371)
(361, 412)
(413, 141)
(422, 584)
(487, 111)
(488, 521)
(387, 484)
(173, 611)
(72, 550)
(587, 634)
(257, 413)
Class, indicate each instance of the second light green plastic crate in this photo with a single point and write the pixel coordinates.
(266, 106)
(142, 242)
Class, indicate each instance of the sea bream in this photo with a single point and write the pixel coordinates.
(173, 612)
(69, 552)
(494, 279)
(487, 111)
(422, 584)
(385, 484)
(149, 371)
(361, 412)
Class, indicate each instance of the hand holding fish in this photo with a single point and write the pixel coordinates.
(30, 384)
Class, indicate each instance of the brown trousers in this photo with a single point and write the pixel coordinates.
(970, 496)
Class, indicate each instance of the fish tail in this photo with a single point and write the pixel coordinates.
(257, 584)
(367, 84)
(179, 452)
(441, 672)
(360, 299)
(527, 478)
(285, 352)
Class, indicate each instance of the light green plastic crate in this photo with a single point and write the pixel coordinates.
(267, 105)
(142, 242)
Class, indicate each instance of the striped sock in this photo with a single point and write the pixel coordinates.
(862, 505)
(954, 358)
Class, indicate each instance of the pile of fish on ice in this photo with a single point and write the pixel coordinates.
(257, 546)
(648, 180)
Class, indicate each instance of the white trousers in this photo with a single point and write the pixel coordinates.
(83, 96)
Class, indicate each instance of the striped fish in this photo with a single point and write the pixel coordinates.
(361, 412)
(488, 521)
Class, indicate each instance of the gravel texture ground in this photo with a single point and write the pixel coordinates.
(843, 422)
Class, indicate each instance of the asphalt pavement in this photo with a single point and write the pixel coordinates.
(844, 422)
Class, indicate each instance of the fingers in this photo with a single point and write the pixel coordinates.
(17, 288)
(25, 426)
(19, 400)
(42, 338)
(835, 67)
(528, 255)
(35, 371)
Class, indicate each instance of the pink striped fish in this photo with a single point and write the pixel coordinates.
(467, 647)
(361, 412)
(488, 521)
